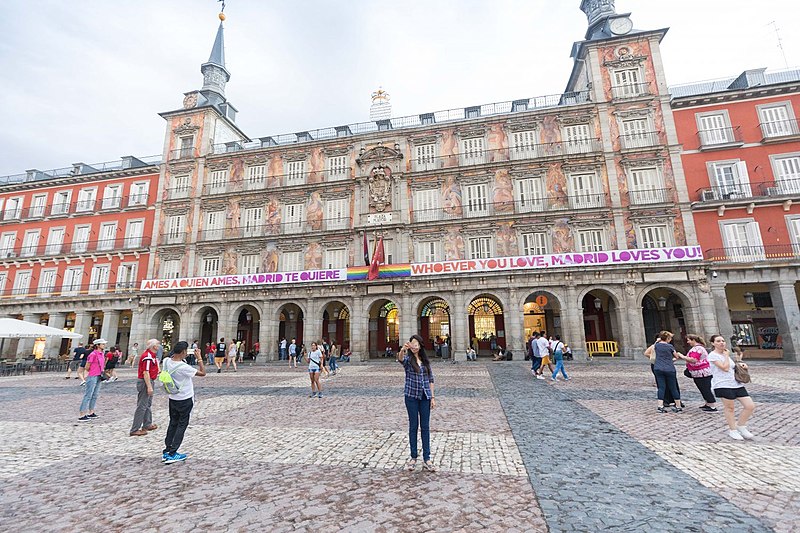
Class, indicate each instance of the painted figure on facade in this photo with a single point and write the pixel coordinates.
(275, 173)
(273, 218)
(449, 148)
(498, 143)
(317, 166)
(314, 211)
(234, 220)
(380, 187)
(503, 197)
(237, 173)
(551, 135)
(269, 258)
(506, 239)
(453, 245)
(451, 197)
(555, 188)
(229, 262)
(313, 258)
(562, 238)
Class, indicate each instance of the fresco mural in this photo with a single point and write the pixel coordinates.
(316, 166)
(506, 240)
(551, 135)
(562, 237)
(556, 186)
(630, 233)
(503, 196)
(234, 218)
(497, 143)
(640, 49)
(451, 197)
(273, 215)
(453, 245)
(313, 256)
(275, 173)
(449, 149)
(237, 174)
(314, 211)
(229, 262)
(269, 258)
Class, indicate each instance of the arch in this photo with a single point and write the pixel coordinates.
(541, 311)
(666, 308)
(247, 328)
(208, 329)
(602, 320)
(291, 322)
(434, 324)
(383, 322)
(166, 323)
(336, 323)
(486, 323)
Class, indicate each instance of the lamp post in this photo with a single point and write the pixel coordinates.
(748, 298)
(598, 304)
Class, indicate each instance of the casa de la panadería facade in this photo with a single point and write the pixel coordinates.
(566, 213)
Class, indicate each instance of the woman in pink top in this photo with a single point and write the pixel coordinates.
(95, 365)
(700, 370)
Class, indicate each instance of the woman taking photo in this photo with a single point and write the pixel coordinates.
(315, 362)
(419, 399)
(725, 386)
(664, 369)
(700, 369)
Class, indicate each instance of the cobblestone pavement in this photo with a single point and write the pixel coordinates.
(514, 454)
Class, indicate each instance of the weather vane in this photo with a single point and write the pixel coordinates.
(223, 5)
(222, 11)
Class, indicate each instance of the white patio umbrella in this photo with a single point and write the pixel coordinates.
(11, 328)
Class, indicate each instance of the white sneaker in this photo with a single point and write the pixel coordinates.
(744, 432)
(735, 435)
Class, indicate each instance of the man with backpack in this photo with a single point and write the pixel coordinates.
(176, 377)
(148, 372)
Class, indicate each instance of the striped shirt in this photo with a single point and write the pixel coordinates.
(418, 384)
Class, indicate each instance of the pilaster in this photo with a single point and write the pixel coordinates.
(787, 315)
(53, 344)
(722, 311)
(110, 326)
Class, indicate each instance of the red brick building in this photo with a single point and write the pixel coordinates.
(74, 245)
(741, 158)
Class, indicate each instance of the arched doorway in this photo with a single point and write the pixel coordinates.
(542, 312)
(486, 324)
(434, 321)
(600, 322)
(384, 328)
(167, 326)
(291, 324)
(247, 327)
(663, 310)
(209, 321)
(336, 324)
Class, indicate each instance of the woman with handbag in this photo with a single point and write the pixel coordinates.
(664, 369)
(699, 369)
(730, 389)
(95, 364)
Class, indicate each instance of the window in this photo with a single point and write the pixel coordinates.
(13, 209)
(530, 195)
(427, 252)
(480, 248)
(626, 83)
(22, 283)
(577, 139)
(253, 217)
(72, 281)
(180, 187)
(175, 229)
(293, 218)
(108, 236)
(138, 195)
(337, 168)
(476, 200)
(214, 226)
(55, 240)
(713, 129)
(636, 133)
(133, 234)
(210, 266)
(61, 203)
(126, 276)
(30, 243)
(86, 200)
(777, 121)
(742, 240)
(98, 281)
(256, 175)
(534, 243)
(654, 237)
(80, 239)
(7, 243)
(646, 186)
(218, 181)
(295, 172)
(3, 280)
(187, 143)
(787, 174)
(424, 157)
(524, 145)
(730, 180)
(794, 233)
(171, 269)
(583, 191)
(337, 214)
(38, 206)
(47, 282)
(590, 240)
(291, 261)
(427, 205)
(112, 197)
(335, 258)
(250, 263)
(472, 152)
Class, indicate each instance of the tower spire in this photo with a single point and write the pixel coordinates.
(215, 75)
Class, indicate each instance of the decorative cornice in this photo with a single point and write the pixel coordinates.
(471, 132)
(218, 165)
(213, 204)
(337, 150)
(527, 173)
(252, 202)
(635, 112)
(172, 253)
(255, 159)
(650, 160)
(294, 156)
(575, 118)
(182, 167)
(378, 154)
(573, 168)
(186, 128)
(625, 61)
(180, 209)
(533, 228)
(582, 221)
(473, 180)
(431, 138)
(293, 246)
(524, 124)
(205, 250)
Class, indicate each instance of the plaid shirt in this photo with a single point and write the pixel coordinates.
(418, 384)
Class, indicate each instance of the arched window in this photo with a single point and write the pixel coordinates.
(483, 311)
(438, 313)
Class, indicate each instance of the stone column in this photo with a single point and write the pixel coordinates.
(572, 315)
(53, 345)
(722, 311)
(514, 324)
(359, 334)
(632, 329)
(787, 315)
(312, 324)
(267, 335)
(110, 326)
(25, 346)
(408, 324)
(460, 335)
(83, 320)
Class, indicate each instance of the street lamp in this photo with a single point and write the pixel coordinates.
(248, 316)
(748, 298)
(486, 308)
(96, 321)
(598, 303)
(662, 303)
(125, 320)
(209, 318)
(291, 315)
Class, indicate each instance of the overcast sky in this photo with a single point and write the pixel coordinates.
(83, 80)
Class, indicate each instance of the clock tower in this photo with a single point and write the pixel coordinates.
(604, 22)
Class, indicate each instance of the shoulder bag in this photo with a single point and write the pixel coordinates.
(740, 373)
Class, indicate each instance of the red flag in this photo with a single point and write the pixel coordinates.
(377, 259)
(366, 250)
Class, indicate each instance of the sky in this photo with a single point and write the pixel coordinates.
(84, 80)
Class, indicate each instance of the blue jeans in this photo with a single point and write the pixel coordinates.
(90, 396)
(667, 381)
(419, 414)
(282, 356)
(332, 364)
(536, 363)
(560, 366)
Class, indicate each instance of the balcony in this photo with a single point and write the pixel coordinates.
(650, 196)
(780, 187)
(41, 250)
(178, 193)
(752, 254)
(270, 230)
(182, 153)
(718, 138)
(630, 90)
(645, 139)
(173, 238)
(733, 191)
(83, 207)
(547, 204)
(779, 129)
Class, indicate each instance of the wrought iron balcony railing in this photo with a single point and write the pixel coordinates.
(719, 137)
(650, 196)
(743, 191)
(645, 139)
(183, 153)
(83, 207)
(545, 204)
(70, 289)
(752, 254)
(268, 230)
(41, 250)
(630, 90)
(779, 128)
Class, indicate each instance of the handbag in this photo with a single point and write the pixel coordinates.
(687, 373)
(740, 373)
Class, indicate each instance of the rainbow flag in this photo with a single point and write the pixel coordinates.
(386, 271)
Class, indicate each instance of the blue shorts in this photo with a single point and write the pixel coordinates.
(83, 363)
(313, 370)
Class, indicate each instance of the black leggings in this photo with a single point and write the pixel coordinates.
(704, 386)
(667, 380)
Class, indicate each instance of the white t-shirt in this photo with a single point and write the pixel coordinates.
(543, 345)
(182, 375)
(719, 378)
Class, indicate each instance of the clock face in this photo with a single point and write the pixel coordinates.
(620, 26)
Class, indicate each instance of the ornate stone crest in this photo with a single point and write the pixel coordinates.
(380, 187)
